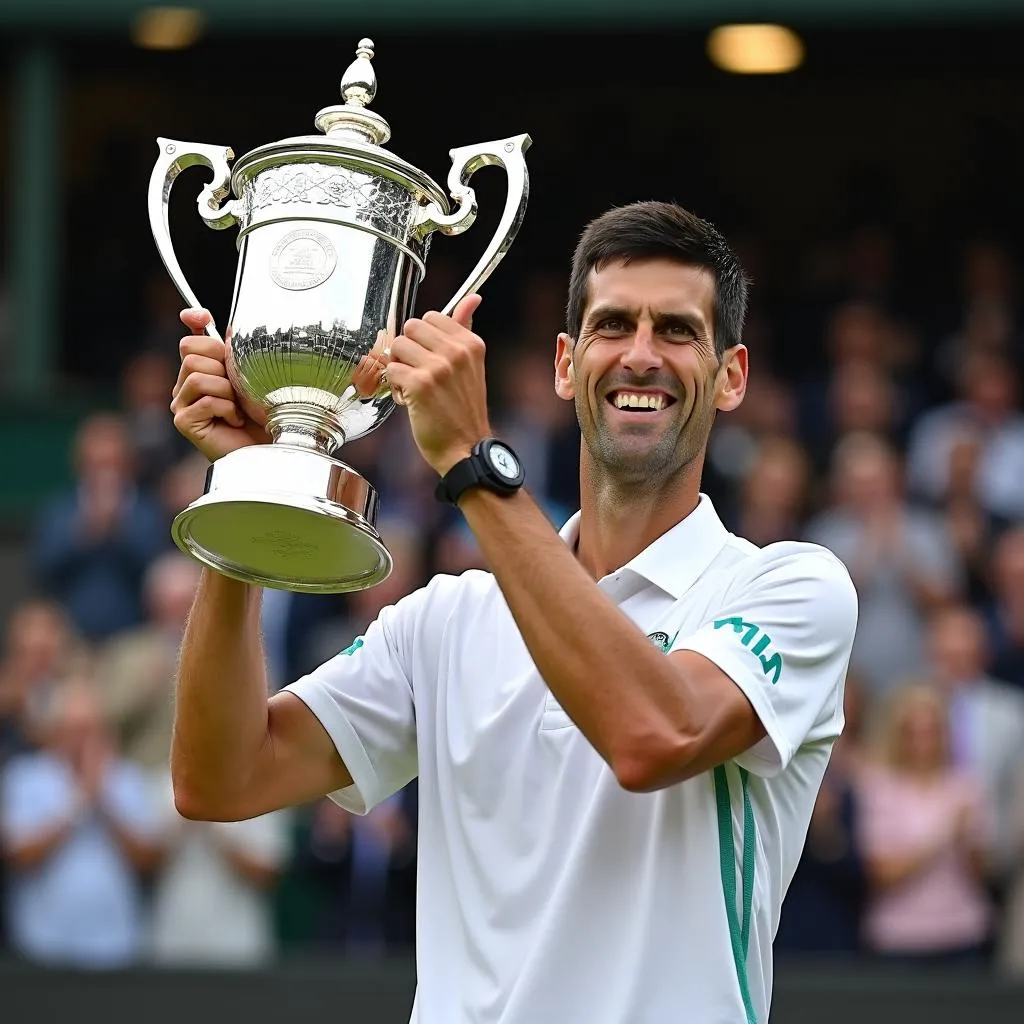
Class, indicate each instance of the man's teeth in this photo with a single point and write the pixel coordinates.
(632, 400)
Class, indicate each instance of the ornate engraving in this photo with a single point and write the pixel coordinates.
(385, 204)
(303, 259)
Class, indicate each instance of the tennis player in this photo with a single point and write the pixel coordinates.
(620, 731)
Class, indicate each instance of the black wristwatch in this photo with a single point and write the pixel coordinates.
(491, 464)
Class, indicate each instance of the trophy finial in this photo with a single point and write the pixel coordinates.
(350, 121)
(359, 83)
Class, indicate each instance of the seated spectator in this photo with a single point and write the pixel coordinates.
(773, 497)
(989, 406)
(95, 541)
(38, 648)
(213, 899)
(135, 669)
(970, 529)
(77, 828)
(1005, 614)
(862, 398)
(359, 867)
(1010, 944)
(825, 902)
(897, 555)
(986, 716)
(925, 834)
(146, 382)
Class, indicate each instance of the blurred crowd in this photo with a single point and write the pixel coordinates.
(890, 431)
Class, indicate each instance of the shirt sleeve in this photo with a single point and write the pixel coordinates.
(364, 698)
(784, 634)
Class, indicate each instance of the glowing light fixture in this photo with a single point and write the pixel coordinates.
(167, 28)
(755, 49)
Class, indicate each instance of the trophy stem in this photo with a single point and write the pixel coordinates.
(305, 426)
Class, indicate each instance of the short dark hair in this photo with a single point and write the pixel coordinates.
(652, 230)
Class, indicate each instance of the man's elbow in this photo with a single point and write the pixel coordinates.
(655, 764)
(191, 806)
(196, 804)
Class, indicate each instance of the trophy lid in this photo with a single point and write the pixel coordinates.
(351, 119)
(352, 136)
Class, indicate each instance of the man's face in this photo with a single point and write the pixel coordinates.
(643, 372)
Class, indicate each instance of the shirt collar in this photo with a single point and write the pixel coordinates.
(679, 556)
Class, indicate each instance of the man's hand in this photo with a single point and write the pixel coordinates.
(437, 369)
(205, 407)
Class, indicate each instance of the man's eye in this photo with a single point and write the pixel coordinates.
(680, 330)
(611, 325)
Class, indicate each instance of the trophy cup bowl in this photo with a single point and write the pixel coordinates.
(334, 232)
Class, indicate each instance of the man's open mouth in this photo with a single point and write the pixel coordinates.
(642, 401)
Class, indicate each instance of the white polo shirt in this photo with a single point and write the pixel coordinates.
(547, 893)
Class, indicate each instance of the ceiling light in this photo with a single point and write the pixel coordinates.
(755, 49)
(167, 28)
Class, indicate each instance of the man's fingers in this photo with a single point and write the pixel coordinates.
(195, 362)
(460, 320)
(196, 319)
(207, 408)
(463, 312)
(199, 385)
(202, 345)
(399, 375)
(418, 348)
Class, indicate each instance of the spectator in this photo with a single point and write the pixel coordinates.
(986, 716)
(825, 903)
(181, 484)
(146, 381)
(1006, 610)
(357, 865)
(1010, 947)
(897, 555)
(95, 542)
(135, 669)
(862, 398)
(768, 410)
(77, 828)
(987, 409)
(774, 496)
(213, 899)
(925, 830)
(38, 649)
(970, 529)
(541, 427)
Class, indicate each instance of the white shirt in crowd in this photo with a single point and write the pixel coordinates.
(204, 912)
(546, 891)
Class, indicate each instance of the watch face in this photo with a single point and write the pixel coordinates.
(503, 461)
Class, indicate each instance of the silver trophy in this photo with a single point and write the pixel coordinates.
(333, 237)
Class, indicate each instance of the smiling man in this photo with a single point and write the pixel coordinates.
(620, 732)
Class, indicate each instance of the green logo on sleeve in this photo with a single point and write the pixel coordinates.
(770, 665)
(353, 647)
(662, 640)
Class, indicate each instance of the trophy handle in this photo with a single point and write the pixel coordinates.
(466, 161)
(174, 158)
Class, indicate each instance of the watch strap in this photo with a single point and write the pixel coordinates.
(463, 475)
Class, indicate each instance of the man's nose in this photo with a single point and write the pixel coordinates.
(642, 356)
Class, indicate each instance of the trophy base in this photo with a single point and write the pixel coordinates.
(287, 518)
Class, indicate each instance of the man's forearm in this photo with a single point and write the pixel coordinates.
(220, 722)
(614, 684)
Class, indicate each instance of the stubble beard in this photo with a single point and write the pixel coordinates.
(633, 462)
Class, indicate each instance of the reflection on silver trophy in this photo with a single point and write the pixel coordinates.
(333, 237)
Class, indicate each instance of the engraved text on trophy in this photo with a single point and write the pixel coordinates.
(303, 259)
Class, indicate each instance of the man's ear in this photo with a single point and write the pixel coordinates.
(565, 372)
(733, 379)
